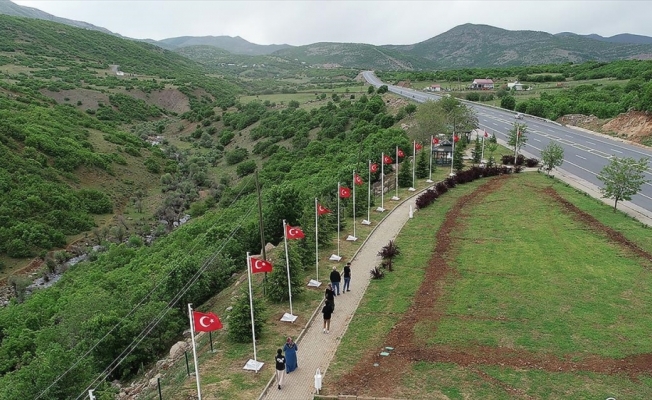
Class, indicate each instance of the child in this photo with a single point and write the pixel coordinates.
(280, 367)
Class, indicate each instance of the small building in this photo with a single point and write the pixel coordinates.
(434, 88)
(515, 86)
(482, 84)
(442, 154)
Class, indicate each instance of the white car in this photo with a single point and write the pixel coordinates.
(518, 116)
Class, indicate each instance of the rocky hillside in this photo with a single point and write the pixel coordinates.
(634, 126)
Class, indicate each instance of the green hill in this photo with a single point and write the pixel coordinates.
(472, 45)
(235, 45)
(78, 107)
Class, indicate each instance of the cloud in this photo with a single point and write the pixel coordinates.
(373, 22)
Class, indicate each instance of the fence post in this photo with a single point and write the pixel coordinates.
(185, 353)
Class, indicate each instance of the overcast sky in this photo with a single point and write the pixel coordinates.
(374, 22)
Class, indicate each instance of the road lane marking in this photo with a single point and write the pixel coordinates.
(617, 151)
(578, 156)
(536, 140)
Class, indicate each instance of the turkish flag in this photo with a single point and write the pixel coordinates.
(373, 167)
(435, 140)
(357, 180)
(418, 146)
(387, 160)
(259, 265)
(321, 210)
(208, 322)
(292, 232)
(345, 192)
(456, 138)
(400, 153)
(486, 134)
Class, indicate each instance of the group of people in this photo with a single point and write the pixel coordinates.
(286, 363)
(332, 290)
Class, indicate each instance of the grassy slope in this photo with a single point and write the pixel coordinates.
(522, 259)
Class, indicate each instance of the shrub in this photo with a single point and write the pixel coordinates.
(531, 162)
(376, 273)
(240, 319)
(236, 156)
(426, 198)
(389, 252)
(246, 168)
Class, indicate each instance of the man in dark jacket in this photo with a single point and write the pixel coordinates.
(335, 280)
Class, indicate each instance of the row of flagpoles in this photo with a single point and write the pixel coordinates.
(208, 322)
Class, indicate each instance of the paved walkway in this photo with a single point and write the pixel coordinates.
(316, 349)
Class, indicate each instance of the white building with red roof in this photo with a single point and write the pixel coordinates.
(482, 84)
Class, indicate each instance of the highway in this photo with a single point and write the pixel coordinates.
(585, 153)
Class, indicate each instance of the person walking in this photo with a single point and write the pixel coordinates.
(327, 311)
(280, 367)
(329, 295)
(290, 349)
(335, 280)
(347, 277)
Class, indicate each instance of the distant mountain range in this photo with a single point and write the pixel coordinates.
(467, 45)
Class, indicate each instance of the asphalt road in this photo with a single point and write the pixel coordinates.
(585, 153)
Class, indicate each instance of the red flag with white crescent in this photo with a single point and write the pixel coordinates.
(206, 322)
(373, 167)
(345, 192)
(400, 153)
(418, 146)
(358, 180)
(321, 210)
(293, 232)
(486, 134)
(435, 140)
(259, 265)
(387, 160)
(456, 138)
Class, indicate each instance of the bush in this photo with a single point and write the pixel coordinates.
(240, 319)
(376, 273)
(426, 198)
(531, 162)
(246, 168)
(236, 156)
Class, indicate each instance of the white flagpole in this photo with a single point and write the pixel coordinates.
(316, 240)
(453, 153)
(414, 161)
(518, 133)
(287, 264)
(396, 173)
(382, 181)
(338, 219)
(482, 156)
(251, 305)
(194, 349)
(354, 203)
(369, 194)
(431, 146)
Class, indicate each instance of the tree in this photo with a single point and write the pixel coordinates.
(382, 89)
(458, 158)
(517, 137)
(423, 163)
(623, 178)
(445, 116)
(477, 151)
(491, 149)
(508, 102)
(371, 90)
(239, 329)
(552, 156)
(405, 174)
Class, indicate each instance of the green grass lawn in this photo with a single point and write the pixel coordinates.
(528, 277)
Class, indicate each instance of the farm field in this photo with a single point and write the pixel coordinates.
(523, 288)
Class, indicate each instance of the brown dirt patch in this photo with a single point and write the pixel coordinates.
(635, 126)
(365, 380)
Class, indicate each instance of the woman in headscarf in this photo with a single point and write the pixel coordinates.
(290, 350)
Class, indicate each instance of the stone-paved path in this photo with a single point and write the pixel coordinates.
(316, 349)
